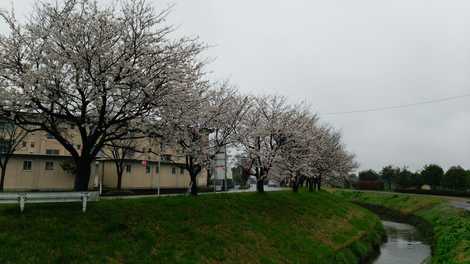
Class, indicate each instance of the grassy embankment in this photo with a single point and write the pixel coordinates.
(232, 228)
(450, 227)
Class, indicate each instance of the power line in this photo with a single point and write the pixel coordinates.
(378, 109)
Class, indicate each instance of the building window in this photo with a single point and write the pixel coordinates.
(32, 145)
(27, 165)
(52, 151)
(23, 144)
(50, 136)
(173, 170)
(148, 169)
(181, 170)
(128, 168)
(49, 165)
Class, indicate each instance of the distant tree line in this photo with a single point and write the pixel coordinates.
(432, 177)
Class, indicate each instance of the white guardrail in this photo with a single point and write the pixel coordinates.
(21, 198)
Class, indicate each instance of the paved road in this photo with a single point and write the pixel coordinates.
(458, 202)
(461, 204)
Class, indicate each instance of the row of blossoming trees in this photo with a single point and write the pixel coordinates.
(117, 75)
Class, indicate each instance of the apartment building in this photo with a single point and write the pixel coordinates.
(42, 163)
(155, 164)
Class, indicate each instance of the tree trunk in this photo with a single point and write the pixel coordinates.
(311, 184)
(209, 177)
(319, 183)
(119, 182)
(83, 175)
(296, 183)
(3, 173)
(260, 186)
(119, 162)
(295, 186)
(302, 181)
(193, 184)
(2, 180)
(259, 181)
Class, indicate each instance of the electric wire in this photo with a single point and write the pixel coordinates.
(379, 109)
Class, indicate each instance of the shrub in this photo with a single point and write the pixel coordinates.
(432, 175)
(369, 175)
(456, 178)
(369, 185)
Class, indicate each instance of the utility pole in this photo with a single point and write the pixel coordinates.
(158, 175)
(213, 173)
(102, 177)
(225, 169)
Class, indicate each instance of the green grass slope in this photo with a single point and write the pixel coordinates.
(233, 228)
(451, 226)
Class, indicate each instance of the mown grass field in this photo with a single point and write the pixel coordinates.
(451, 226)
(278, 227)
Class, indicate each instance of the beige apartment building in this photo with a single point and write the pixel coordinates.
(155, 165)
(41, 164)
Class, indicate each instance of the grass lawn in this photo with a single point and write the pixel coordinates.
(451, 226)
(278, 227)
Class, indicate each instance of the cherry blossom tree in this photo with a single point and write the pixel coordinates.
(206, 124)
(287, 143)
(264, 133)
(97, 69)
(297, 154)
(331, 162)
(345, 164)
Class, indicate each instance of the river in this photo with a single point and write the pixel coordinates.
(405, 244)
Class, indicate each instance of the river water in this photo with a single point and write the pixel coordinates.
(405, 244)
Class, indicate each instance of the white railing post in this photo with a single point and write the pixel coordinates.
(21, 198)
(84, 200)
(22, 201)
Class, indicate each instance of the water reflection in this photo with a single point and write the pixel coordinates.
(404, 245)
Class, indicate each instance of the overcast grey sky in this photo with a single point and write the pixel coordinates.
(342, 55)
